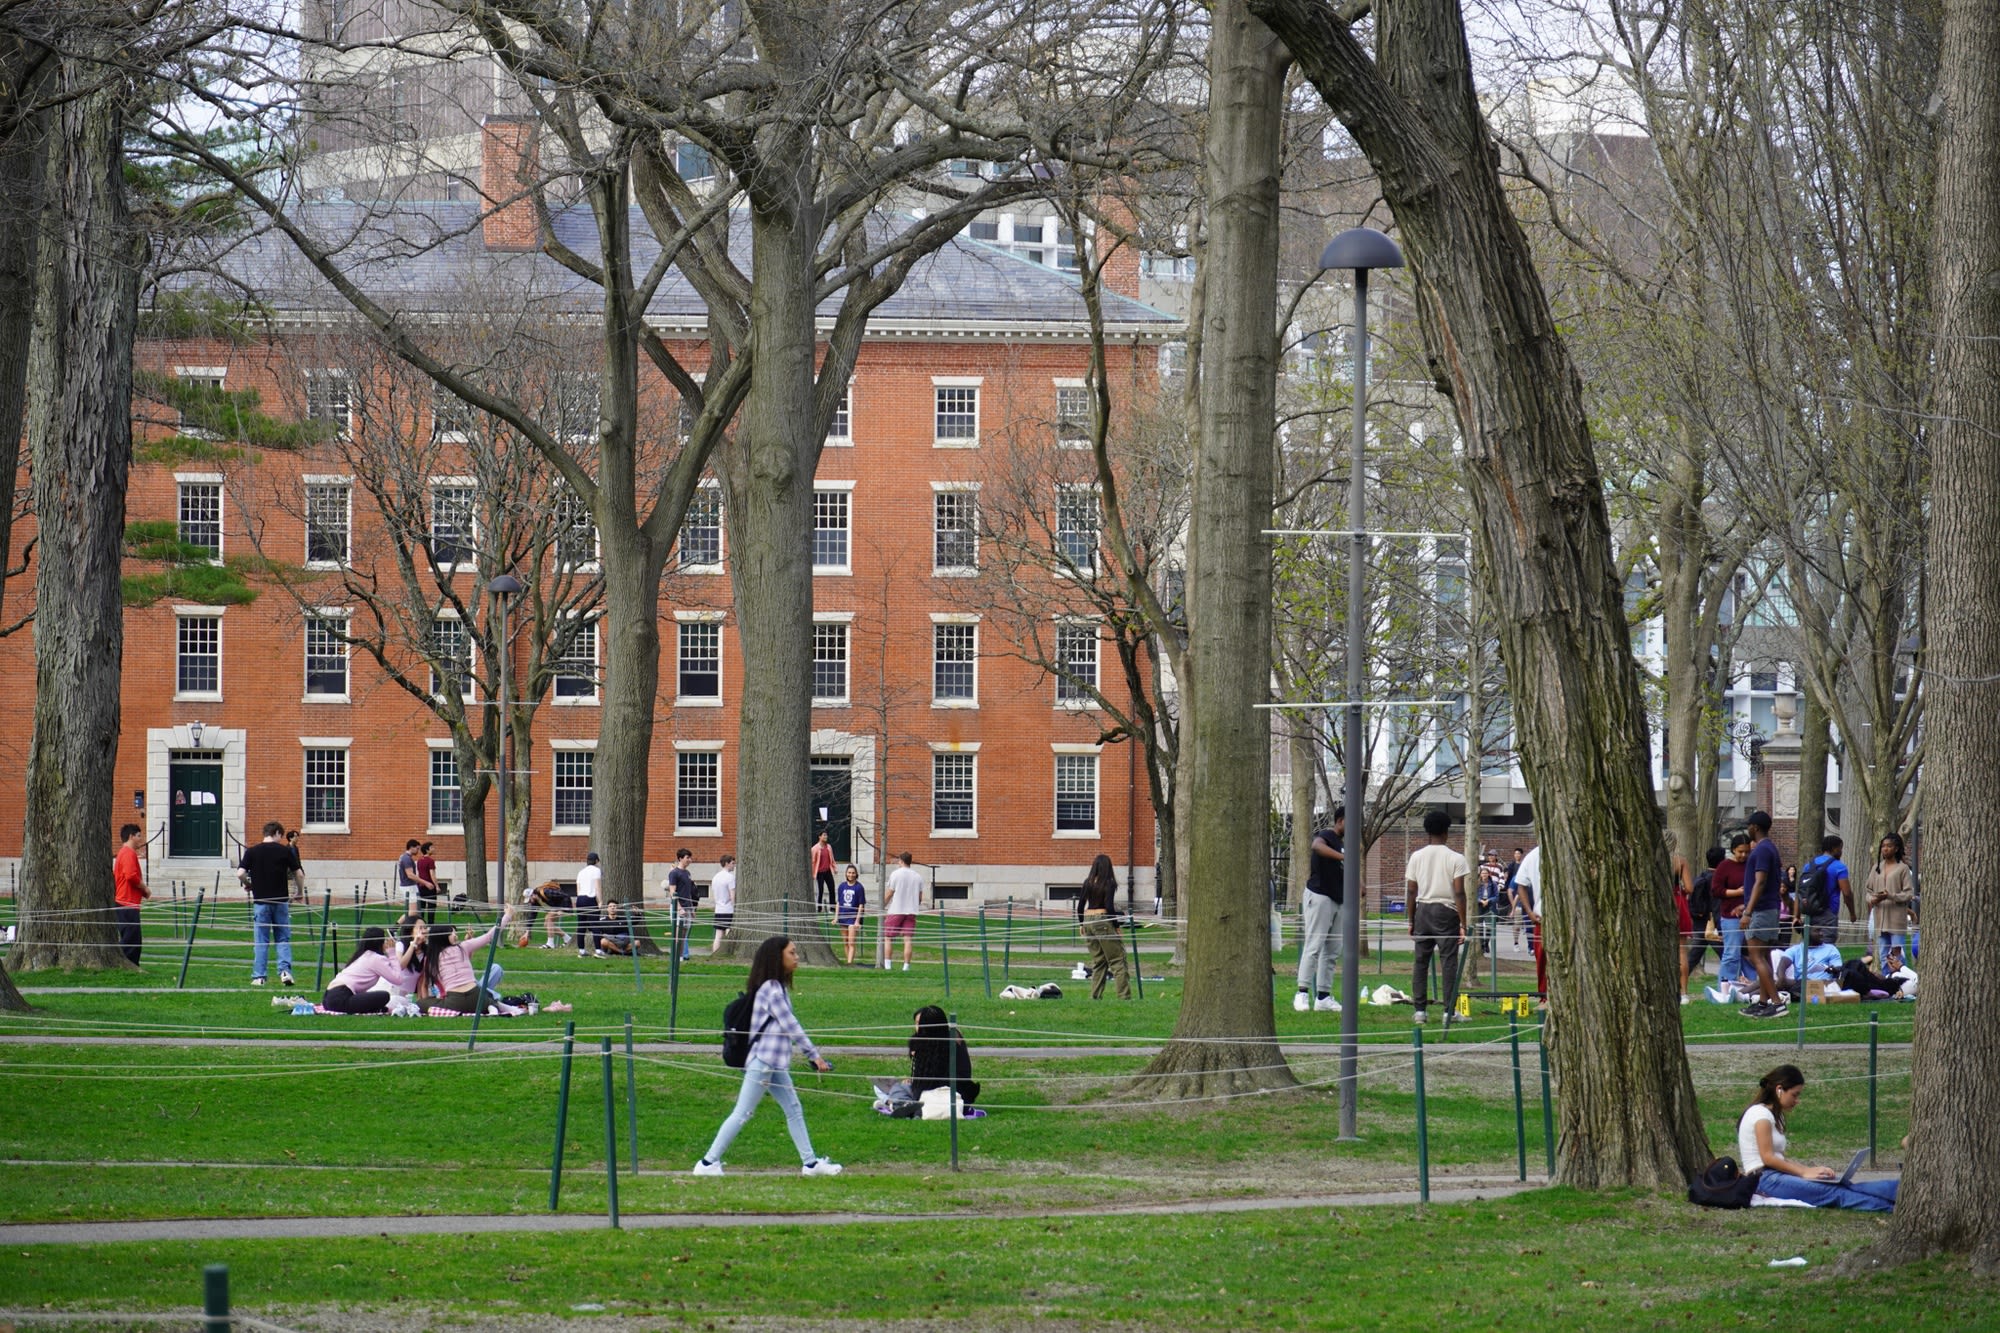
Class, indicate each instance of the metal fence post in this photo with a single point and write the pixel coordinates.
(1874, 1031)
(199, 896)
(1007, 946)
(1520, 1117)
(1423, 1122)
(1548, 1104)
(610, 1134)
(673, 992)
(631, 1097)
(562, 1114)
(215, 1299)
(985, 955)
(325, 921)
(944, 951)
(951, 1087)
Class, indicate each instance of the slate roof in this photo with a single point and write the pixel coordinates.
(432, 258)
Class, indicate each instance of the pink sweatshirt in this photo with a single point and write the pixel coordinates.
(362, 974)
(455, 963)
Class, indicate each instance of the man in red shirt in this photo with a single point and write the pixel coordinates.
(129, 885)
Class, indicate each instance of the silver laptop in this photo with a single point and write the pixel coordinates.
(1853, 1166)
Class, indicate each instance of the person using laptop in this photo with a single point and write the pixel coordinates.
(1761, 1143)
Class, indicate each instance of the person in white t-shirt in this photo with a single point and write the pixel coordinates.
(1528, 897)
(722, 893)
(1761, 1143)
(589, 886)
(905, 898)
(1434, 884)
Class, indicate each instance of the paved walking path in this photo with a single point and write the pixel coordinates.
(320, 1228)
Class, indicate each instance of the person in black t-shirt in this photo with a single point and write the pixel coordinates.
(1319, 939)
(266, 873)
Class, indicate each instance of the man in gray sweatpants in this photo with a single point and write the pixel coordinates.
(1319, 941)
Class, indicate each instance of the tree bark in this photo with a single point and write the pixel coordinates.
(80, 435)
(1950, 1200)
(1815, 749)
(1224, 1038)
(1298, 864)
(1628, 1114)
(23, 162)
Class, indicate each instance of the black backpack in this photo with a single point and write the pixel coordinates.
(1722, 1184)
(1701, 903)
(736, 1038)
(1815, 893)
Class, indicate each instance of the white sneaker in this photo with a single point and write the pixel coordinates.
(885, 965)
(1329, 1005)
(599, 953)
(548, 944)
(1715, 994)
(1685, 999)
(1301, 1002)
(906, 967)
(819, 1166)
(707, 1168)
(1421, 1017)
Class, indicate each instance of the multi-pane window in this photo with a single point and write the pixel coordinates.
(447, 798)
(576, 672)
(326, 788)
(200, 518)
(698, 789)
(954, 663)
(198, 655)
(330, 401)
(955, 532)
(831, 512)
(451, 416)
(197, 380)
(454, 515)
(1073, 415)
(1076, 528)
(576, 535)
(957, 414)
(574, 770)
(701, 530)
(576, 404)
(842, 429)
(451, 654)
(829, 663)
(1076, 793)
(700, 659)
(328, 505)
(953, 779)
(1076, 662)
(326, 657)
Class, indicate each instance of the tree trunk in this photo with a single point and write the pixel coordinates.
(1224, 1036)
(1628, 1114)
(473, 795)
(11, 999)
(1689, 702)
(767, 471)
(1815, 748)
(520, 811)
(1950, 1200)
(620, 773)
(1299, 863)
(80, 435)
(23, 162)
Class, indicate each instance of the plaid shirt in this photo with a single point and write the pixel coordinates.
(774, 1029)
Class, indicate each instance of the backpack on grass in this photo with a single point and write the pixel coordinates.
(736, 1038)
(1722, 1184)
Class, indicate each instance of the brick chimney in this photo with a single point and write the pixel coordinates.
(1120, 228)
(507, 164)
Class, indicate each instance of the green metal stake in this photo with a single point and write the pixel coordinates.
(562, 1114)
(1548, 1103)
(1379, 962)
(360, 897)
(951, 1088)
(325, 920)
(610, 1134)
(985, 959)
(1805, 968)
(1520, 1118)
(215, 1299)
(193, 926)
(1007, 947)
(480, 995)
(632, 941)
(673, 992)
(1423, 1122)
(1132, 926)
(944, 951)
(631, 1097)
(1874, 1031)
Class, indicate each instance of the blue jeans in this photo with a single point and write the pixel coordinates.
(1869, 1196)
(1891, 939)
(759, 1078)
(1732, 968)
(270, 921)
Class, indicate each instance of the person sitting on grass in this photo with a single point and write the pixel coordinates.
(615, 937)
(1760, 1140)
(446, 980)
(1820, 963)
(939, 1057)
(354, 989)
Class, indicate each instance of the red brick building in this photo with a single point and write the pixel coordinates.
(922, 718)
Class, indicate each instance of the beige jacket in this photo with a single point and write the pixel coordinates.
(1890, 891)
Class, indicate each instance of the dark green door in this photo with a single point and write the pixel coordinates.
(194, 821)
(833, 804)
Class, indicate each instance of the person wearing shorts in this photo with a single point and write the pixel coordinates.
(850, 904)
(1763, 875)
(899, 911)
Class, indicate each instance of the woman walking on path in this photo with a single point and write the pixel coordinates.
(1100, 930)
(774, 1034)
(1890, 893)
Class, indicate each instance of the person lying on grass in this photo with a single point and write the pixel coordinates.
(446, 980)
(1760, 1139)
(354, 989)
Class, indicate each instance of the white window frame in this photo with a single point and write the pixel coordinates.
(844, 489)
(470, 693)
(440, 397)
(714, 750)
(972, 382)
(567, 499)
(1095, 755)
(966, 488)
(183, 480)
(1073, 624)
(683, 619)
(343, 746)
(214, 377)
(562, 747)
(1066, 567)
(472, 537)
(346, 484)
(344, 429)
(342, 615)
(707, 489)
(435, 746)
(844, 620)
(215, 613)
(595, 622)
(836, 438)
(560, 384)
(939, 622)
(971, 750)
(1080, 440)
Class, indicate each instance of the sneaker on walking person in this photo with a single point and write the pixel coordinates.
(285, 979)
(1302, 1001)
(1420, 1017)
(1326, 1004)
(707, 1168)
(819, 1166)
